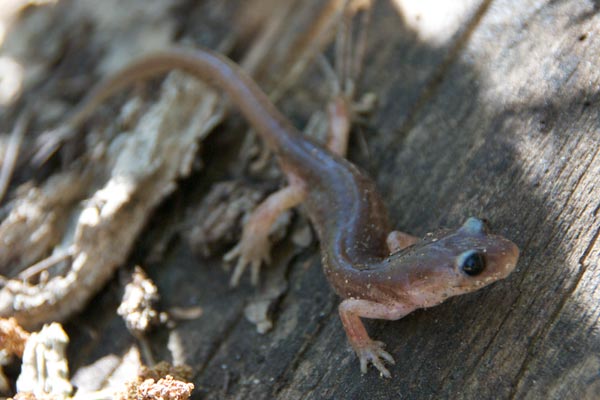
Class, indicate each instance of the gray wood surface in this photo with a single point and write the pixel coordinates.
(485, 108)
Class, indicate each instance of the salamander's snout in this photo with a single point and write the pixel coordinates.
(501, 255)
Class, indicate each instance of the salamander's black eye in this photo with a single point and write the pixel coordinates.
(471, 262)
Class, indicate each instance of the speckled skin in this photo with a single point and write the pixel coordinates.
(345, 209)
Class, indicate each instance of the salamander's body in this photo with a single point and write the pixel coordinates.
(377, 276)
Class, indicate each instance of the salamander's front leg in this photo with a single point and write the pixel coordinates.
(368, 350)
(254, 247)
(397, 241)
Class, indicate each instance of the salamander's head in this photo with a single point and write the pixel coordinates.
(482, 257)
(459, 261)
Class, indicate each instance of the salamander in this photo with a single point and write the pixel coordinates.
(378, 273)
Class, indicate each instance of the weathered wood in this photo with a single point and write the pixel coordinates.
(493, 111)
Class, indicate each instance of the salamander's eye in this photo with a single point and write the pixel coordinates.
(471, 262)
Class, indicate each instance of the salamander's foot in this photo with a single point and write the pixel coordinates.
(252, 250)
(254, 247)
(373, 352)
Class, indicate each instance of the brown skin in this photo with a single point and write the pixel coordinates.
(345, 209)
